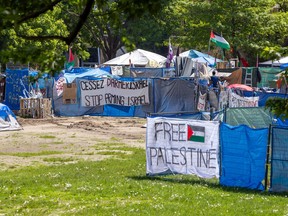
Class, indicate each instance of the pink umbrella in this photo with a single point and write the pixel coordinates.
(240, 86)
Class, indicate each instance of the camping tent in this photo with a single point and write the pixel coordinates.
(200, 57)
(8, 119)
(275, 63)
(139, 58)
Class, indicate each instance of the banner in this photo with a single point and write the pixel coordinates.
(238, 101)
(182, 146)
(114, 91)
(201, 102)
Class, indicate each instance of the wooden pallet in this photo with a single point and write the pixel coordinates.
(35, 107)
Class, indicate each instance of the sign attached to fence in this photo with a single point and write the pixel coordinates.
(238, 101)
(182, 146)
(113, 91)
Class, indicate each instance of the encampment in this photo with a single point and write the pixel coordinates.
(139, 58)
(8, 119)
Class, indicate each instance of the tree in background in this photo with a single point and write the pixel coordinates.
(23, 23)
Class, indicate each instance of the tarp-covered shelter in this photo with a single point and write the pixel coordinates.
(269, 76)
(200, 57)
(139, 58)
(8, 119)
(274, 63)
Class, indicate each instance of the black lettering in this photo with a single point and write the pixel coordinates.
(183, 153)
(152, 155)
(160, 155)
(174, 156)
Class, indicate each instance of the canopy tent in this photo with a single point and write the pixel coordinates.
(275, 63)
(8, 119)
(200, 57)
(139, 58)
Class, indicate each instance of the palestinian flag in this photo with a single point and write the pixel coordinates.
(195, 133)
(70, 64)
(219, 40)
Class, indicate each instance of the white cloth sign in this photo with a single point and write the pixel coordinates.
(201, 102)
(223, 100)
(113, 91)
(238, 101)
(182, 146)
(117, 70)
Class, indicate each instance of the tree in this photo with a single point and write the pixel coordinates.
(249, 26)
(15, 16)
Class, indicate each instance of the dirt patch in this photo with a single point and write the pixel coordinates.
(67, 140)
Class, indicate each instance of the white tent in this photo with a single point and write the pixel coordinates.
(8, 119)
(275, 63)
(139, 58)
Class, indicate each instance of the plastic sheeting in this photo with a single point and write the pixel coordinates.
(279, 160)
(268, 75)
(243, 156)
(152, 72)
(254, 117)
(174, 95)
(16, 82)
(263, 96)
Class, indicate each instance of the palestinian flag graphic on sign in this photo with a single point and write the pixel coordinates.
(195, 133)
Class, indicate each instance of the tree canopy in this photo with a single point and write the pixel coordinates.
(40, 32)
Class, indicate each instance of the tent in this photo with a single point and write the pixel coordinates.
(240, 86)
(8, 119)
(139, 58)
(87, 72)
(275, 63)
(200, 57)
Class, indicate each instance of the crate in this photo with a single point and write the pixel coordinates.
(35, 107)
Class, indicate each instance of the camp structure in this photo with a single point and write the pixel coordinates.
(274, 63)
(200, 57)
(138, 58)
(8, 119)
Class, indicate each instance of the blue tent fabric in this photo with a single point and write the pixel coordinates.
(279, 160)
(196, 54)
(284, 66)
(4, 110)
(16, 83)
(243, 156)
(86, 72)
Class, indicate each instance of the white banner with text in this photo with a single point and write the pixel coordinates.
(182, 146)
(113, 91)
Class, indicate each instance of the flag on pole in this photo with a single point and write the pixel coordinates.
(70, 64)
(169, 56)
(219, 40)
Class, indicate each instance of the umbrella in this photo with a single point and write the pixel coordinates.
(240, 86)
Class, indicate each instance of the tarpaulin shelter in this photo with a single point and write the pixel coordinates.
(8, 119)
(200, 57)
(139, 58)
(274, 63)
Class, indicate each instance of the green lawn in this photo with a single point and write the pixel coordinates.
(119, 186)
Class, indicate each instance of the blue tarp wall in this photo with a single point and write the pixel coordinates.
(279, 160)
(16, 82)
(243, 156)
(166, 96)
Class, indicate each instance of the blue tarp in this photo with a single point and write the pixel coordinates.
(263, 96)
(243, 156)
(16, 82)
(279, 160)
(87, 72)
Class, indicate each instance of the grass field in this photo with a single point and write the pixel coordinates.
(119, 186)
